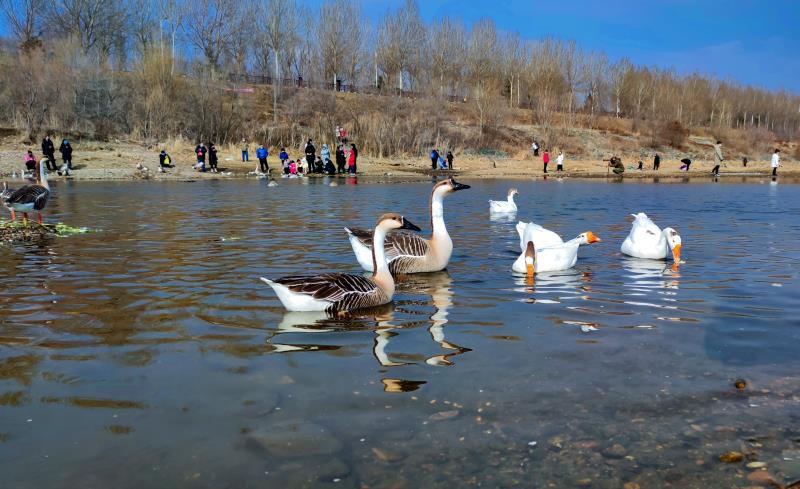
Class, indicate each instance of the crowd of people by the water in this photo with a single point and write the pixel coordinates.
(344, 159)
(29, 159)
(617, 167)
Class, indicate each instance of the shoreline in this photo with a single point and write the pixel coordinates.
(118, 163)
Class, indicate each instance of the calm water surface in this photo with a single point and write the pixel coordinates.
(148, 354)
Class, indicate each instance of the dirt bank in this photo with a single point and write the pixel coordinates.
(118, 161)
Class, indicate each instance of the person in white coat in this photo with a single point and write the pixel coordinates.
(776, 162)
(560, 161)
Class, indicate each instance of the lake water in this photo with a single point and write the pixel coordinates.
(148, 354)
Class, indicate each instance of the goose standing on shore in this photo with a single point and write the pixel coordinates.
(341, 292)
(409, 253)
(504, 206)
(646, 240)
(30, 197)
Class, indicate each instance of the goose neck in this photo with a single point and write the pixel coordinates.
(437, 216)
(381, 273)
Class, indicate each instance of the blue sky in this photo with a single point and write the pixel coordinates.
(752, 42)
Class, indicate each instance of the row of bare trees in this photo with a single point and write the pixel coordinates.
(157, 68)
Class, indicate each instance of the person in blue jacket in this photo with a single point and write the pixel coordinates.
(261, 154)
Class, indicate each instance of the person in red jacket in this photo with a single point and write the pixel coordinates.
(546, 159)
(351, 159)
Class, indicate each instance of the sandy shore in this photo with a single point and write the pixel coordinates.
(117, 161)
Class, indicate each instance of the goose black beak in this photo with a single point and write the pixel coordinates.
(458, 186)
(409, 225)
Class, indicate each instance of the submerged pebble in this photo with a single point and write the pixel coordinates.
(731, 457)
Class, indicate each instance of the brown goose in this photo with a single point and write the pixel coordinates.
(410, 253)
(341, 292)
(30, 197)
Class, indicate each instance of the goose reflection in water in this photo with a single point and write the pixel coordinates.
(561, 285)
(644, 275)
(438, 286)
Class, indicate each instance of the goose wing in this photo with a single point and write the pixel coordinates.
(345, 291)
(30, 194)
(540, 236)
(397, 244)
(644, 230)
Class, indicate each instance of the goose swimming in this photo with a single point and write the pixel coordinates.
(541, 237)
(646, 240)
(30, 197)
(341, 292)
(552, 258)
(504, 206)
(409, 253)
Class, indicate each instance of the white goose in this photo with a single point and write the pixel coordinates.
(504, 206)
(541, 237)
(646, 240)
(550, 258)
(341, 292)
(410, 253)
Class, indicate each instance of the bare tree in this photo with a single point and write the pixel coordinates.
(276, 21)
(24, 18)
(210, 26)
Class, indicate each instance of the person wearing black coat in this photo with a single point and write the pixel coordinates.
(341, 160)
(66, 153)
(311, 154)
(212, 157)
(329, 168)
(449, 160)
(656, 161)
(49, 150)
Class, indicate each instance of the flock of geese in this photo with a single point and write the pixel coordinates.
(386, 253)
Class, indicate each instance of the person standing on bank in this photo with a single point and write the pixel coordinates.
(560, 161)
(535, 148)
(449, 160)
(66, 153)
(262, 154)
(200, 151)
(776, 162)
(434, 158)
(245, 150)
(546, 159)
(656, 161)
(212, 157)
(718, 159)
(351, 161)
(341, 159)
(49, 150)
(325, 153)
(311, 154)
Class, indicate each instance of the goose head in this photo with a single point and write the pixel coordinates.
(588, 238)
(448, 186)
(512, 192)
(392, 220)
(530, 260)
(674, 242)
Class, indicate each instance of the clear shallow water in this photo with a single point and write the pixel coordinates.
(148, 354)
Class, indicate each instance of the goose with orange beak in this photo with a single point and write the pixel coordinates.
(551, 258)
(646, 240)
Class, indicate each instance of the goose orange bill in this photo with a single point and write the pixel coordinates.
(676, 253)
